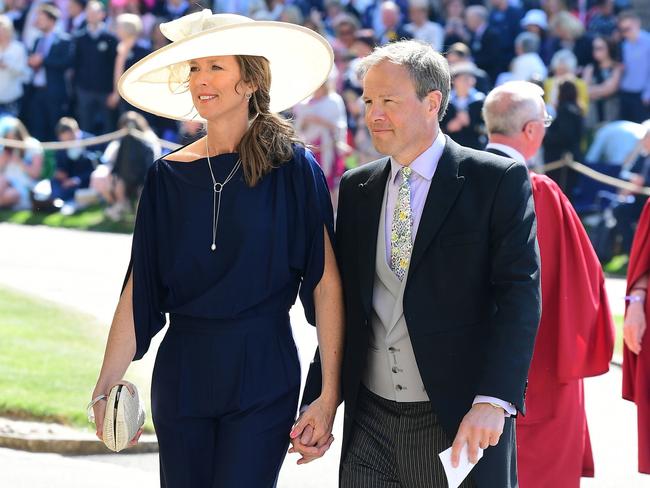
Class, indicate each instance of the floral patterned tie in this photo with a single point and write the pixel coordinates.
(400, 235)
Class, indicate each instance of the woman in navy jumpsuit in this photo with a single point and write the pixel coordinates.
(226, 379)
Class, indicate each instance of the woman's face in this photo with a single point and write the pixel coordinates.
(563, 69)
(535, 29)
(123, 32)
(599, 48)
(216, 88)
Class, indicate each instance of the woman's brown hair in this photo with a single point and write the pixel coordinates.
(268, 141)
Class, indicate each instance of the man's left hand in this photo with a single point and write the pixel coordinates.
(481, 427)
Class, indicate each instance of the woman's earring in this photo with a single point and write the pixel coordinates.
(248, 96)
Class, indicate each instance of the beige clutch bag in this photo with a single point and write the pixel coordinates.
(124, 417)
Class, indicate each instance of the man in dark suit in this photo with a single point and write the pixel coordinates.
(438, 255)
(94, 65)
(485, 42)
(505, 19)
(51, 56)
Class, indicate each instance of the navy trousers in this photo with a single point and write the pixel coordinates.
(224, 398)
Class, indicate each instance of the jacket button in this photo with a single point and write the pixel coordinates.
(399, 387)
(395, 369)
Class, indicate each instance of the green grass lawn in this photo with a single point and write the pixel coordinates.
(617, 266)
(618, 344)
(91, 218)
(49, 360)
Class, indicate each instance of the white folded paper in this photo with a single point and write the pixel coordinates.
(455, 476)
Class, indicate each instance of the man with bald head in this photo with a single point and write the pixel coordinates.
(576, 335)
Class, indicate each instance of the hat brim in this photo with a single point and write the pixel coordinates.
(300, 61)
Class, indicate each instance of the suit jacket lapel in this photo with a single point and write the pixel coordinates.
(368, 213)
(445, 188)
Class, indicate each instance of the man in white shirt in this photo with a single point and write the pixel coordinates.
(421, 28)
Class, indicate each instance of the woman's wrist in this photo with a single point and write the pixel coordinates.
(103, 385)
(330, 398)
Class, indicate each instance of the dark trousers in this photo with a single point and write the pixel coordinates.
(43, 113)
(224, 398)
(65, 194)
(395, 445)
(632, 107)
(92, 113)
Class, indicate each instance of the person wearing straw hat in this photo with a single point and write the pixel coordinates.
(229, 230)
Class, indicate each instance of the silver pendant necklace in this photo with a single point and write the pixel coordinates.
(216, 195)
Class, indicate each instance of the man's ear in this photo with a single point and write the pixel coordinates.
(434, 102)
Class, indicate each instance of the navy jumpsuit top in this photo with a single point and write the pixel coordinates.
(227, 372)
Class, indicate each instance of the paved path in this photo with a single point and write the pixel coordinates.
(84, 270)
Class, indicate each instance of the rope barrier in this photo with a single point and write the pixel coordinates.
(91, 141)
(119, 134)
(594, 175)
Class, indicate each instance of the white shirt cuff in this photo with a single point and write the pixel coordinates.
(509, 408)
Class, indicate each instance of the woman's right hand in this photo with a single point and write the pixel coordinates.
(99, 410)
(634, 326)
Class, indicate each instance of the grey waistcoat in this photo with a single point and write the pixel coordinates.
(391, 370)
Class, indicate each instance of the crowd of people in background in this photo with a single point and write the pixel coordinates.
(60, 62)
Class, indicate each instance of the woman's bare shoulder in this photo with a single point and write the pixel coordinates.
(187, 154)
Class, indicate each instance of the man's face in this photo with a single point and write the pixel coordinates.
(399, 123)
(66, 136)
(473, 21)
(44, 22)
(629, 28)
(94, 14)
(74, 9)
(390, 18)
(418, 15)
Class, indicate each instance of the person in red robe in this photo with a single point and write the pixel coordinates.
(636, 348)
(576, 333)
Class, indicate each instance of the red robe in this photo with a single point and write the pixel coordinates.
(575, 340)
(636, 369)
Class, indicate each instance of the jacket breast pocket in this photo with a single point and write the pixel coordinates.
(460, 239)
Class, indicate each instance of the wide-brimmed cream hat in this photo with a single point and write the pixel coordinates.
(299, 58)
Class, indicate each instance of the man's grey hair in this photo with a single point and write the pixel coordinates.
(528, 42)
(508, 107)
(389, 5)
(427, 68)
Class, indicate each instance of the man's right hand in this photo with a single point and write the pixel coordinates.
(481, 427)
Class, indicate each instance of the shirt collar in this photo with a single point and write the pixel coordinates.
(513, 153)
(426, 163)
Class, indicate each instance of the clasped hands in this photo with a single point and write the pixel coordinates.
(311, 435)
